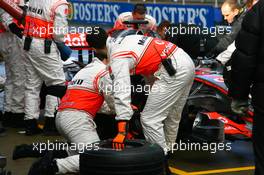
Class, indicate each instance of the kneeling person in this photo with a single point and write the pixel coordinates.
(74, 120)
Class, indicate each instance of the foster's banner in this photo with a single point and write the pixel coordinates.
(89, 12)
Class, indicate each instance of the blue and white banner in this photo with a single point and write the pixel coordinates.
(107, 12)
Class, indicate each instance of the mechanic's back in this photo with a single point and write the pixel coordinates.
(146, 52)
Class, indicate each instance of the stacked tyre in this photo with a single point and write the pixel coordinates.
(138, 158)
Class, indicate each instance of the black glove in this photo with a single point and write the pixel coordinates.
(16, 30)
(239, 107)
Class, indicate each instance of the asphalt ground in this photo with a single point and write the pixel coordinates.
(237, 160)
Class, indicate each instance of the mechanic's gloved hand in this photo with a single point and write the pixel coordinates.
(239, 107)
(118, 141)
(16, 30)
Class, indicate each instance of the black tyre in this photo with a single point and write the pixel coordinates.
(138, 158)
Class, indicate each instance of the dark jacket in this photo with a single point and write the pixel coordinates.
(247, 74)
(190, 41)
(225, 40)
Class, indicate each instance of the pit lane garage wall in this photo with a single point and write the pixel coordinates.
(105, 13)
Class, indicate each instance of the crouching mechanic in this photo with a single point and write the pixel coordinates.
(74, 120)
(174, 72)
(45, 22)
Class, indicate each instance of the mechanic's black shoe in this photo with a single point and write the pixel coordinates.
(2, 130)
(1, 116)
(50, 127)
(44, 166)
(18, 120)
(167, 166)
(60, 154)
(32, 127)
(8, 119)
(167, 169)
(24, 150)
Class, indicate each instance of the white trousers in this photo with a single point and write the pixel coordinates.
(40, 67)
(11, 49)
(51, 105)
(162, 113)
(78, 128)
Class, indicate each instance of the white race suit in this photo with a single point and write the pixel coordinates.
(45, 20)
(83, 99)
(142, 55)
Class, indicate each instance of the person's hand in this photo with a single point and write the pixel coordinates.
(16, 30)
(118, 141)
(239, 107)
